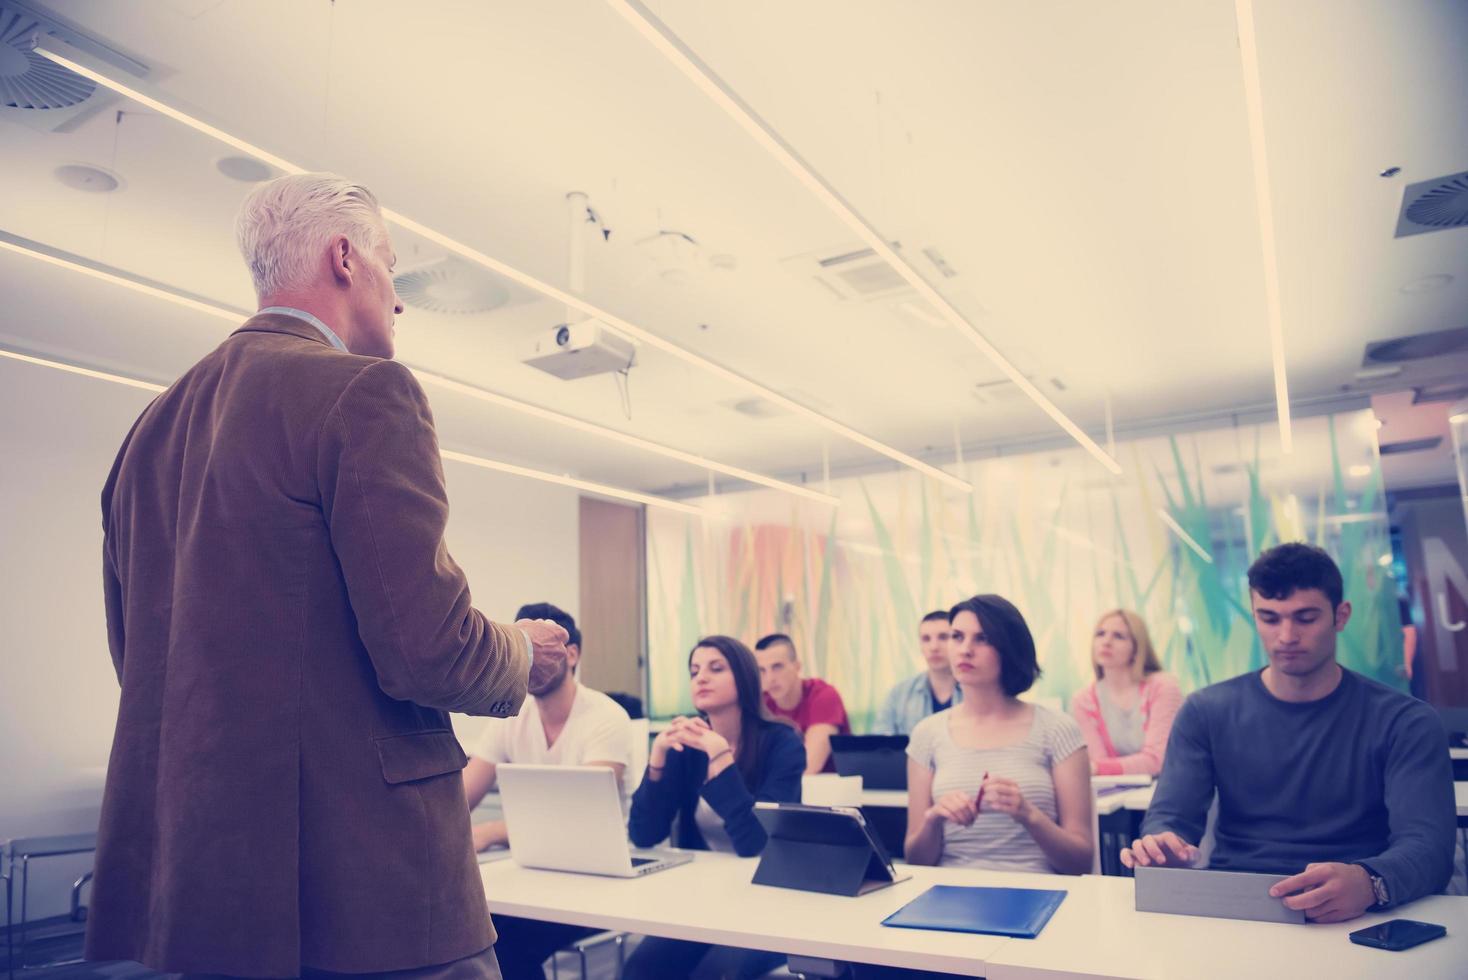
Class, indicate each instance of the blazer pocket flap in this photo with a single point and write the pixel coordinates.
(419, 755)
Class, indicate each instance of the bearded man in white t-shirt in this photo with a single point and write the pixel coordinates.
(562, 723)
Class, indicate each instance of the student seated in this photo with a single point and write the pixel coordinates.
(926, 693)
(994, 782)
(812, 705)
(1321, 773)
(561, 723)
(1126, 714)
(708, 771)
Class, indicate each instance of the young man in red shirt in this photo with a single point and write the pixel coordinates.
(813, 705)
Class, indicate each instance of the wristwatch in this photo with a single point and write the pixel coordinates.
(1378, 888)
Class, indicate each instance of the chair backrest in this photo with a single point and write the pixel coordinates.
(641, 744)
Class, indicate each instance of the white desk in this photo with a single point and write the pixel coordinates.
(1458, 753)
(711, 900)
(1098, 933)
(884, 797)
(1460, 791)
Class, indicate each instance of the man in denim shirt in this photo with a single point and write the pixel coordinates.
(929, 692)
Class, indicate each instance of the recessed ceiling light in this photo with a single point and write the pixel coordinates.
(1360, 469)
(247, 170)
(85, 177)
(1428, 284)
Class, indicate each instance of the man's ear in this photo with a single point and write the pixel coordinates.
(1342, 616)
(343, 259)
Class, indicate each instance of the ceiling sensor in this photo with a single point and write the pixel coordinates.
(84, 177)
(246, 170)
(1438, 343)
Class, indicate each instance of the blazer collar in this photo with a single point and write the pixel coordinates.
(281, 323)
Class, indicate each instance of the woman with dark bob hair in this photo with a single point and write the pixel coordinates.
(994, 782)
(708, 771)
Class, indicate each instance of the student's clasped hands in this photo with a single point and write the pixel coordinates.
(688, 733)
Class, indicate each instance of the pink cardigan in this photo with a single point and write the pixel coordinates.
(1161, 697)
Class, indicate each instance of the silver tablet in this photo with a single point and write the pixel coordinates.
(1220, 894)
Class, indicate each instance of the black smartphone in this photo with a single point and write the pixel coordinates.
(1398, 934)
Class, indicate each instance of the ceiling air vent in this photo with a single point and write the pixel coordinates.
(1434, 205)
(36, 91)
(29, 81)
(451, 286)
(856, 273)
(1410, 446)
(1417, 346)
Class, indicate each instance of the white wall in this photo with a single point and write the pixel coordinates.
(517, 541)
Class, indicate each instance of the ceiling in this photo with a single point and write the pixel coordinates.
(1083, 169)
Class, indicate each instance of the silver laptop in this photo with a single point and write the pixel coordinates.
(569, 818)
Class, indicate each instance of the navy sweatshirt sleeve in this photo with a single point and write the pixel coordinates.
(1185, 786)
(1421, 812)
(656, 802)
(781, 769)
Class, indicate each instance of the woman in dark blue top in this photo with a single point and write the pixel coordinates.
(708, 771)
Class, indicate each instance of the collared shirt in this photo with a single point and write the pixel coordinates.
(327, 332)
(908, 703)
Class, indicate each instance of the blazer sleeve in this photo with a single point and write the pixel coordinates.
(112, 595)
(383, 498)
(655, 803)
(782, 769)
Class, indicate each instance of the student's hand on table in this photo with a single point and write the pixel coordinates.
(1164, 850)
(954, 807)
(1005, 796)
(483, 835)
(548, 640)
(1330, 892)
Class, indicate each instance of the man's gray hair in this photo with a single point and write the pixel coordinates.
(285, 223)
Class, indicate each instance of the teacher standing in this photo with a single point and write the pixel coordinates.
(284, 793)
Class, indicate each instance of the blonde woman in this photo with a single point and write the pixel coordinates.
(1126, 715)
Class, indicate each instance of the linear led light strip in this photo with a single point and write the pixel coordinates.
(619, 325)
(1254, 103)
(489, 464)
(683, 58)
(494, 398)
(1183, 536)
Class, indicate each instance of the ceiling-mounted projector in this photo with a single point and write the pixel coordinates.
(578, 350)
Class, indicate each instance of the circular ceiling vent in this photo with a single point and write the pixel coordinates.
(1444, 205)
(247, 170)
(29, 81)
(450, 286)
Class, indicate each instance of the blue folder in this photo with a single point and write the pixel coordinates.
(1017, 912)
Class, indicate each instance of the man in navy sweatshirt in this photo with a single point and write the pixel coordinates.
(1320, 773)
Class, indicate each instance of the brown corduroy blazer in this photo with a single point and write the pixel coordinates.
(289, 632)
